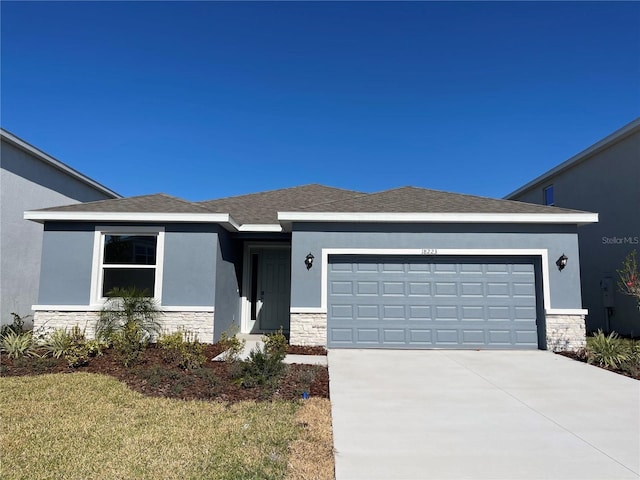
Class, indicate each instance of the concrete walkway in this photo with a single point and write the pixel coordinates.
(253, 341)
(481, 415)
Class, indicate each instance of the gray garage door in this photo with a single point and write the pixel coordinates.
(431, 302)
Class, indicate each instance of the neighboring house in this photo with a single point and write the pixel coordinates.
(404, 268)
(604, 178)
(31, 179)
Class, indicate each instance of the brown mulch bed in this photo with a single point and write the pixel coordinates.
(302, 350)
(151, 376)
(581, 357)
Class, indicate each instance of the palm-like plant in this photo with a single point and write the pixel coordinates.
(128, 321)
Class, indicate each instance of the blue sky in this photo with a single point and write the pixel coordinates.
(209, 99)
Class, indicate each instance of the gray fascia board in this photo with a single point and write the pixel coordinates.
(287, 218)
(223, 219)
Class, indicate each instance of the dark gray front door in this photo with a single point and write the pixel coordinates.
(431, 302)
(273, 288)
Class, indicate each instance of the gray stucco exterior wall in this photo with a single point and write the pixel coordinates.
(189, 271)
(189, 264)
(67, 257)
(306, 284)
(228, 276)
(27, 183)
(607, 182)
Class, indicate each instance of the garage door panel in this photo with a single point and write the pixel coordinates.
(367, 288)
(420, 289)
(446, 289)
(368, 312)
(341, 288)
(422, 302)
(393, 289)
(394, 335)
(342, 311)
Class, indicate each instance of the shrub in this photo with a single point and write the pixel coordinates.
(58, 343)
(18, 345)
(73, 346)
(183, 349)
(130, 343)
(77, 355)
(17, 326)
(629, 277)
(231, 344)
(265, 366)
(275, 344)
(170, 345)
(128, 322)
(95, 347)
(607, 350)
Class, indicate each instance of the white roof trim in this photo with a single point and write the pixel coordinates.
(606, 142)
(222, 218)
(260, 227)
(39, 154)
(360, 217)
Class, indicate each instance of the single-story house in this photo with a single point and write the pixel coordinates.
(402, 268)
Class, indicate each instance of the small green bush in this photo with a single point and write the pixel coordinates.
(58, 343)
(183, 349)
(95, 347)
(170, 345)
(608, 350)
(17, 326)
(265, 366)
(77, 355)
(275, 344)
(231, 344)
(130, 343)
(18, 345)
(72, 346)
(128, 322)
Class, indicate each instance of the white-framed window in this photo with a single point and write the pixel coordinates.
(547, 193)
(127, 257)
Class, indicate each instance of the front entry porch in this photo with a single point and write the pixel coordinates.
(266, 291)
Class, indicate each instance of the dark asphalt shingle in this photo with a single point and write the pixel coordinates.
(156, 203)
(263, 207)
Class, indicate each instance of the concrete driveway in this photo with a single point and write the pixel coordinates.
(481, 415)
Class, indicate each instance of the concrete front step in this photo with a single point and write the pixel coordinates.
(253, 341)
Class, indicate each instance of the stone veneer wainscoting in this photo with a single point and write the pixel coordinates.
(565, 332)
(200, 323)
(308, 329)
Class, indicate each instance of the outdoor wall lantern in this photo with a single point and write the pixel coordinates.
(308, 261)
(562, 262)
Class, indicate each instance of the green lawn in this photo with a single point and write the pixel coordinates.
(73, 426)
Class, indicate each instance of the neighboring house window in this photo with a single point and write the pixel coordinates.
(548, 195)
(128, 260)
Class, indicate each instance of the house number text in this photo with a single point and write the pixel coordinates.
(429, 251)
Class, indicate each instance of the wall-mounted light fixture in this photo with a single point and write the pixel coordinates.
(562, 262)
(308, 261)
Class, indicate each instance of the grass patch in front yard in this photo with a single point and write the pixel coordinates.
(92, 426)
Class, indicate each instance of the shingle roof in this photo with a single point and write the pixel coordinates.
(416, 200)
(156, 203)
(263, 207)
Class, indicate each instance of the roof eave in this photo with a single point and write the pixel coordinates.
(223, 219)
(582, 218)
(57, 164)
(603, 144)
